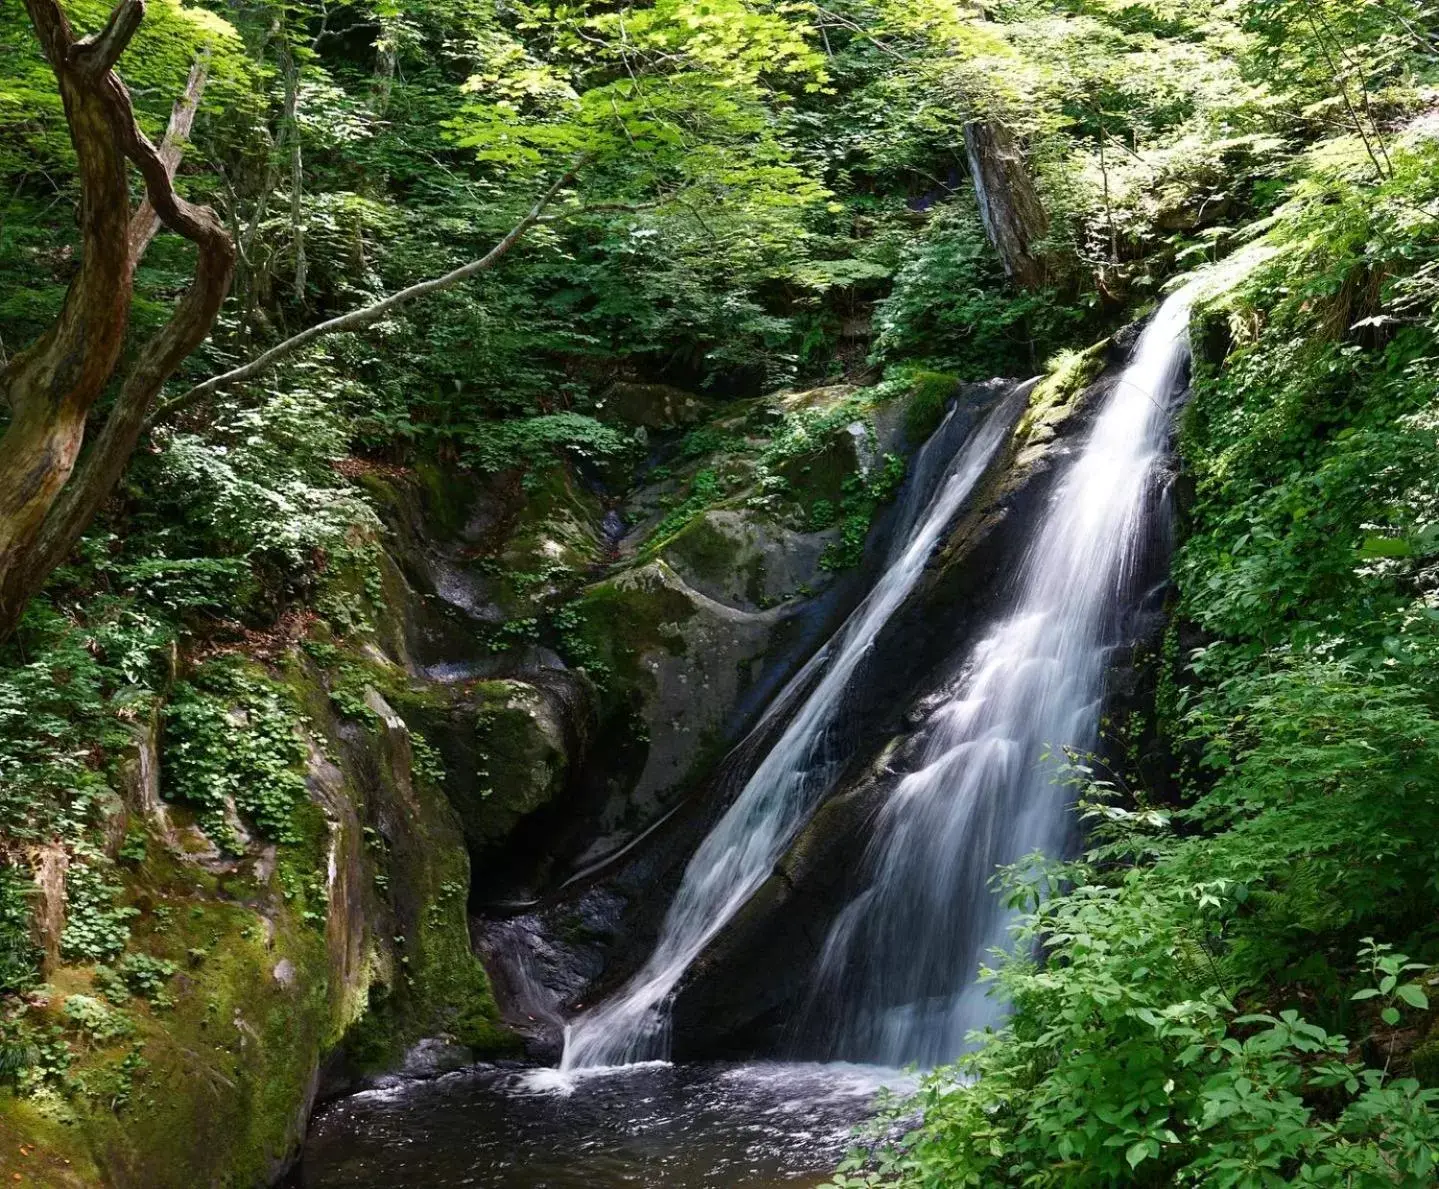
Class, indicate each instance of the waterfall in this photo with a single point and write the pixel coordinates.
(741, 850)
(895, 982)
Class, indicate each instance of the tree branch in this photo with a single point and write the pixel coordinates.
(368, 315)
(146, 220)
(104, 462)
(854, 27)
(93, 56)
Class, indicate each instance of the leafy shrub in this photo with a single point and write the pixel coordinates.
(95, 925)
(98, 1022)
(233, 739)
(863, 495)
(18, 957)
(535, 441)
(951, 306)
(146, 976)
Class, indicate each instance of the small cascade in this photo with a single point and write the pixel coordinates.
(896, 980)
(740, 851)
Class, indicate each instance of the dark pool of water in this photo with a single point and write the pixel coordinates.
(653, 1127)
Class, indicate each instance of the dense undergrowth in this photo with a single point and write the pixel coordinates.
(781, 200)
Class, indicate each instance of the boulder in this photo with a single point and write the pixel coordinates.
(654, 406)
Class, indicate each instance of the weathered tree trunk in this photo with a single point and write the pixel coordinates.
(146, 223)
(1014, 218)
(53, 384)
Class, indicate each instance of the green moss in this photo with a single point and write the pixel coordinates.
(447, 499)
(616, 622)
(45, 1152)
(214, 1087)
(820, 475)
(437, 985)
(505, 753)
(1068, 375)
(556, 524)
(705, 550)
(1425, 1061)
(191, 1059)
(924, 410)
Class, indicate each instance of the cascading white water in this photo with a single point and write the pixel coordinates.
(740, 852)
(896, 980)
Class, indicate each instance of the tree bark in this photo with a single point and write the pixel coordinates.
(53, 384)
(146, 222)
(1014, 218)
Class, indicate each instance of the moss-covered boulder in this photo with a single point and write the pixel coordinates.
(509, 747)
(748, 562)
(255, 947)
(685, 663)
(654, 406)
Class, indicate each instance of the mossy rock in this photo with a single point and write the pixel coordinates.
(929, 396)
(820, 475)
(351, 938)
(654, 406)
(1424, 1060)
(745, 561)
(43, 1151)
(506, 750)
(559, 523)
(627, 617)
(1056, 396)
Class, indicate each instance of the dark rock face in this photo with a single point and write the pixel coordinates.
(654, 406)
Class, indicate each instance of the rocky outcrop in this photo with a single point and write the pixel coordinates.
(282, 968)
(752, 979)
(746, 563)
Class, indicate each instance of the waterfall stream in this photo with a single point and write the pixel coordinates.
(740, 852)
(896, 980)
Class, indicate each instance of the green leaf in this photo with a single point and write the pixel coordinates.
(1413, 996)
(1390, 1015)
(1374, 548)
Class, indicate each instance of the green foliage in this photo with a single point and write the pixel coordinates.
(1127, 1062)
(235, 742)
(18, 959)
(98, 1023)
(95, 920)
(146, 976)
(500, 445)
(931, 394)
(950, 306)
(705, 489)
(865, 493)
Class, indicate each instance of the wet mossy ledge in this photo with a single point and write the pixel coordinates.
(274, 908)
